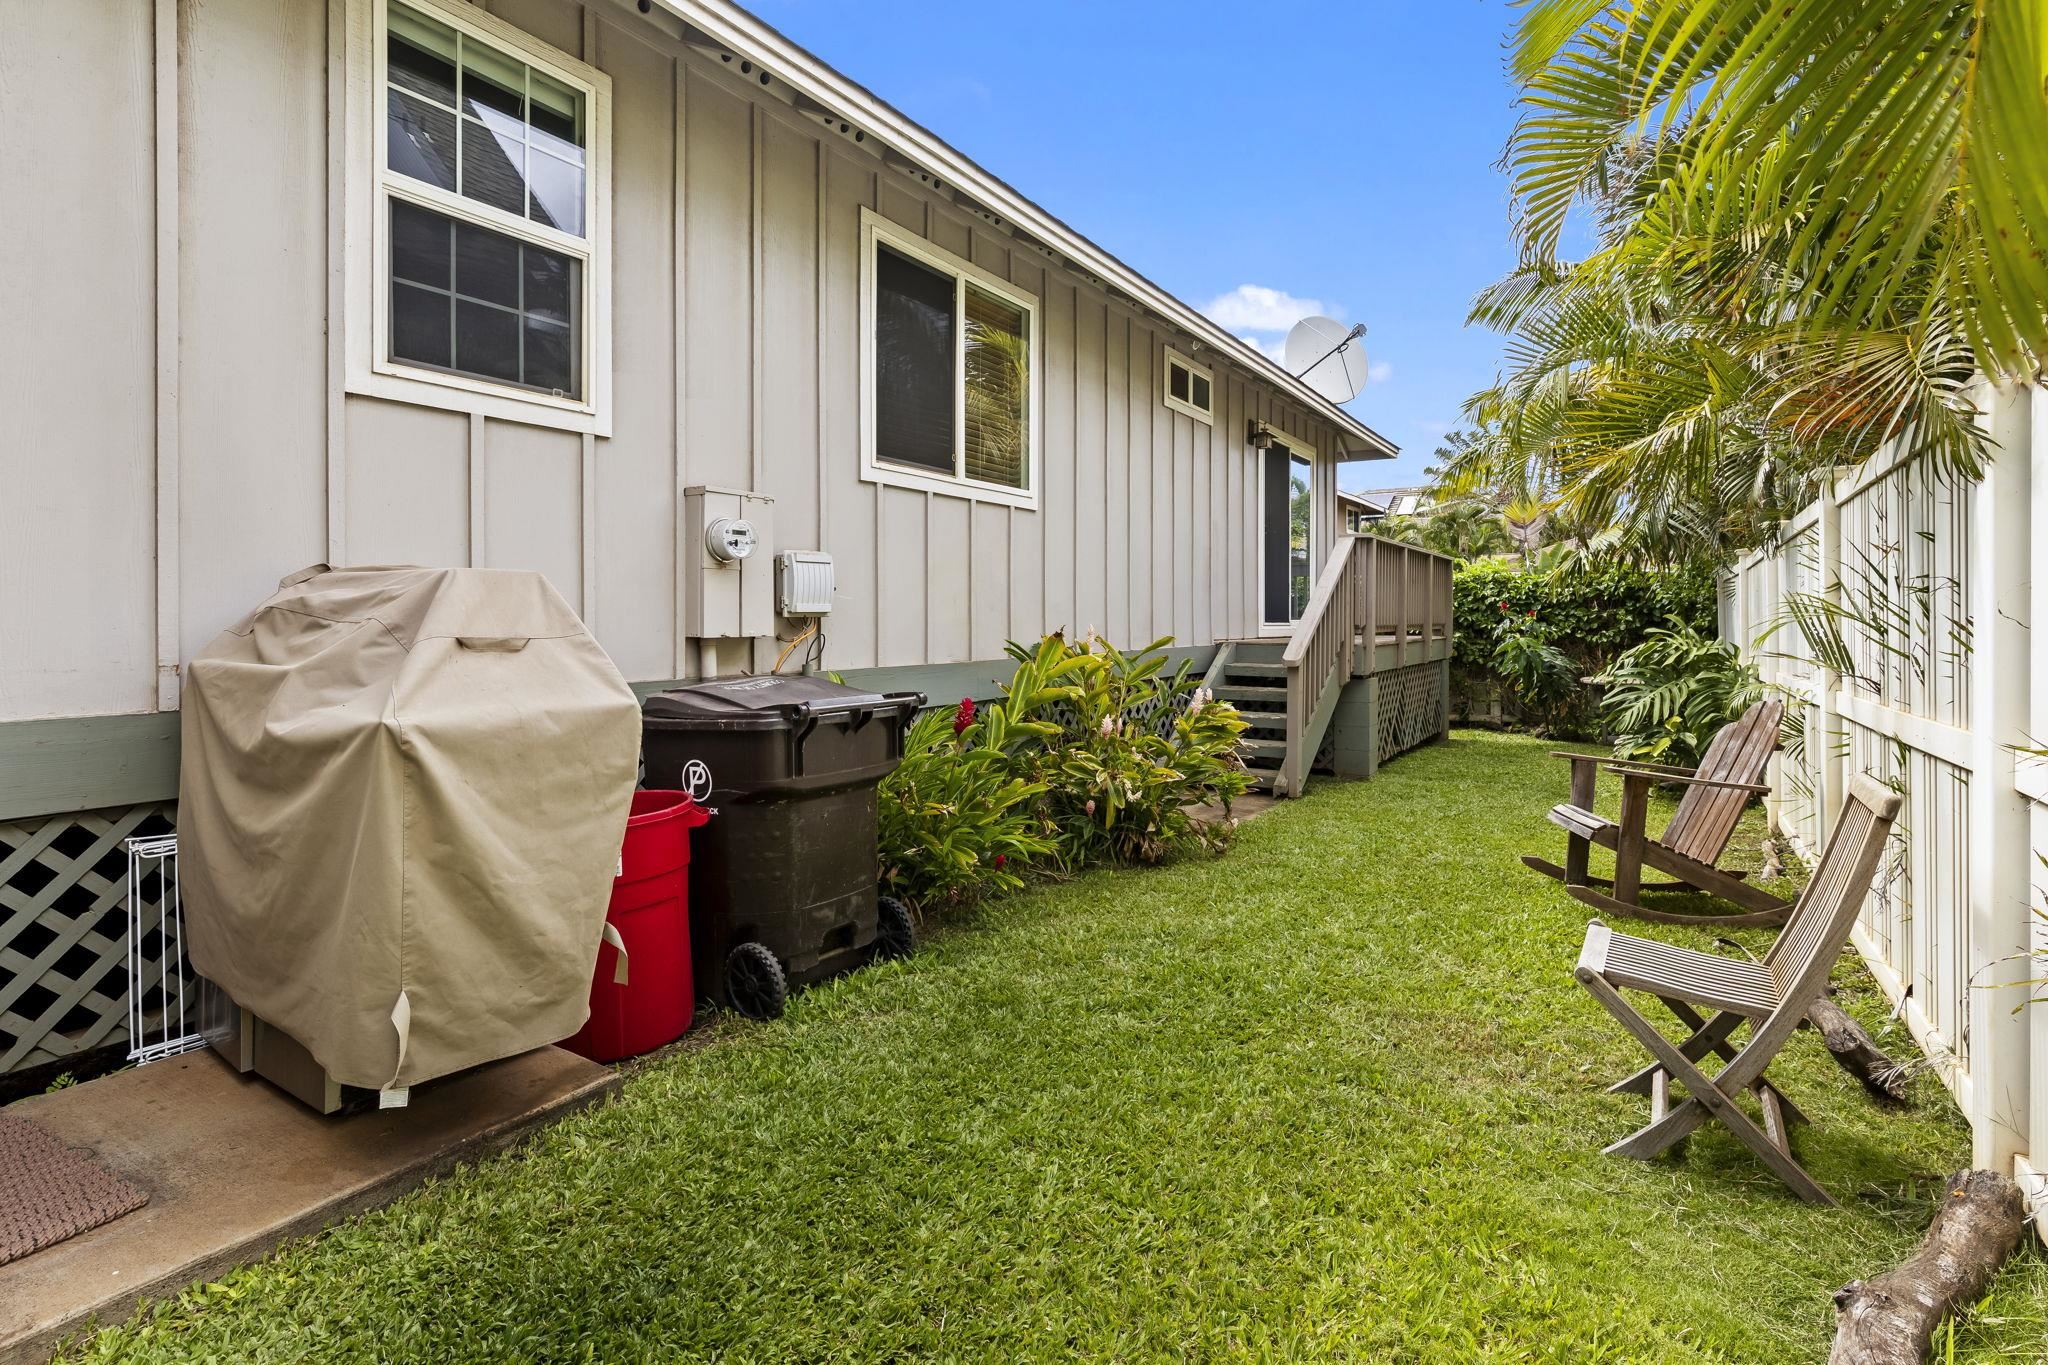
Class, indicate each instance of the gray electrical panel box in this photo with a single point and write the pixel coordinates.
(728, 573)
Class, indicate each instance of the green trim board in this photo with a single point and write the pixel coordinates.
(84, 762)
(72, 763)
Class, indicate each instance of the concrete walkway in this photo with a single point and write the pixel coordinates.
(233, 1167)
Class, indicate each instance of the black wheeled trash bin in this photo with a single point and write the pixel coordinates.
(782, 880)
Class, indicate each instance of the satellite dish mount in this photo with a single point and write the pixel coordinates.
(1324, 354)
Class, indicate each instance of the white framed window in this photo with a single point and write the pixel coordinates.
(1190, 388)
(949, 372)
(478, 172)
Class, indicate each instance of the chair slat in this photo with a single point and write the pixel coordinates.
(1707, 816)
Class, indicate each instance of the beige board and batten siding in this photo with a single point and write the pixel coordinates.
(735, 362)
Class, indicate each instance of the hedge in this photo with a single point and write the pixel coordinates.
(1592, 616)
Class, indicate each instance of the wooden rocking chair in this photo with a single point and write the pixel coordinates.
(1773, 996)
(1729, 774)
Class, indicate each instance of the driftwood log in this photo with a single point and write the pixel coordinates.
(1891, 1320)
(1850, 1046)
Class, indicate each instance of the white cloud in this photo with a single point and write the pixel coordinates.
(1274, 347)
(1257, 308)
(1379, 372)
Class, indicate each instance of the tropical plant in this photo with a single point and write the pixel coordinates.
(955, 822)
(1815, 221)
(1092, 755)
(1465, 529)
(1665, 699)
(1542, 675)
(1135, 750)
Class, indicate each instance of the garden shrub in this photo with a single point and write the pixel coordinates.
(1666, 697)
(1522, 633)
(1091, 756)
(956, 822)
(1136, 747)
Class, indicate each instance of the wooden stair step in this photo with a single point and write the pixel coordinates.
(1256, 669)
(1250, 692)
(1264, 748)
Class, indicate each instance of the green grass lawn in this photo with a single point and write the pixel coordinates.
(1334, 1096)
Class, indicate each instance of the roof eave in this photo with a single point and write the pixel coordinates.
(745, 35)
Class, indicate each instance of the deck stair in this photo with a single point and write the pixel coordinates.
(1376, 607)
(1253, 678)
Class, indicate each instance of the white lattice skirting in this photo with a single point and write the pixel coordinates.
(64, 933)
(1410, 708)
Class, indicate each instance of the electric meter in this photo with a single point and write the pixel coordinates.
(729, 539)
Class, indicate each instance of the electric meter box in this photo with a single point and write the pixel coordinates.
(728, 574)
(803, 583)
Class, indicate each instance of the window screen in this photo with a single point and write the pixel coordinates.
(915, 363)
(474, 301)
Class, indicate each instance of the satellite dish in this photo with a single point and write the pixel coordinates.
(1327, 356)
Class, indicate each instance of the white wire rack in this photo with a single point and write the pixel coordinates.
(164, 1032)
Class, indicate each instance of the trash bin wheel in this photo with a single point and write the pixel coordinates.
(754, 983)
(895, 934)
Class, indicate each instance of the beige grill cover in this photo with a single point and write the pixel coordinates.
(403, 793)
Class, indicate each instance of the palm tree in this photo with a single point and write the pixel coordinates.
(1816, 220)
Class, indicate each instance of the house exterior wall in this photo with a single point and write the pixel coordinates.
(179, 435)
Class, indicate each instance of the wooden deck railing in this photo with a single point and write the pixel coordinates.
(1372, 595)
(1402, 599)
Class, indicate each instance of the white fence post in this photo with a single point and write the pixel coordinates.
(2001, 590)
(2033, 779)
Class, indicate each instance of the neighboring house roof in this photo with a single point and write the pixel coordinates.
(1393, 502)
(729, 27)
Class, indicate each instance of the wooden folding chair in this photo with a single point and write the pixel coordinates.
(1772, 996)
(1730, 772)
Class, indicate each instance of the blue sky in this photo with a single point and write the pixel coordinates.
(1334, 155)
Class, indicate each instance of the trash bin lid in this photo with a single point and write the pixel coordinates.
(770, 701)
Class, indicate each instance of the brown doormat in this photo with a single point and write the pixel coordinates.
(49, 1192)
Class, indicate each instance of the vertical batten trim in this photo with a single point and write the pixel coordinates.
(337, 284)
(479, 545)
(756, 281)
(678, 274)
(819, 320)
(168, 528)
(590, 532)
(871, 200)
(930, 578)
(592, 51)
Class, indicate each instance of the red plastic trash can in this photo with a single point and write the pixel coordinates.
(645, 1001)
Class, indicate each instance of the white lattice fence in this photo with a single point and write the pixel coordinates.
(1931, 682)
(64, 933)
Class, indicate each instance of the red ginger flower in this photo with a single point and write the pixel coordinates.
(963, 717)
